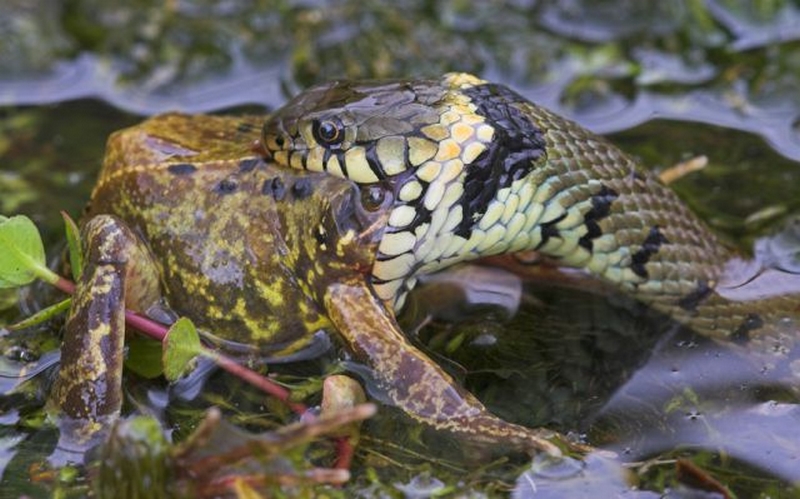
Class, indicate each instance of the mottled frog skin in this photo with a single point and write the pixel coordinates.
(187, 220)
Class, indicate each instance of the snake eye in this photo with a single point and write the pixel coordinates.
(374, 197)
(328, 132)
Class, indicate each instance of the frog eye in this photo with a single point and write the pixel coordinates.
(328, 132)
(375, 197)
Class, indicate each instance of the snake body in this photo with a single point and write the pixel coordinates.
(468, 168)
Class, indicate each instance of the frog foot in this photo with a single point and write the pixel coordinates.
(417, 385)
(118, 272)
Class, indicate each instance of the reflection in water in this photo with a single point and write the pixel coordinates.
(577, 357)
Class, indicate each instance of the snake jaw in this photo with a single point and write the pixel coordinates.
(428, 141)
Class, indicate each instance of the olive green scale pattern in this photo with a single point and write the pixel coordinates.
(682, 274)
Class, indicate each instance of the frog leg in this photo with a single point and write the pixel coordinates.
(118, 271)
(415, 383)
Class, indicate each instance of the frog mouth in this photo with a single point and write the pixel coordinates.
(349, 215)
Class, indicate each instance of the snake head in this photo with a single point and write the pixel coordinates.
(446, 152)
(355, 130)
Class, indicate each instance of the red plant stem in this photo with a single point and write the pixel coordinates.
(65, 285)
(344, 453)
(159, 331)
(259, 381)
(146, 326)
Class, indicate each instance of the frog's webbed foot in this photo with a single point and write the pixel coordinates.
(416, 384)
(118, 269)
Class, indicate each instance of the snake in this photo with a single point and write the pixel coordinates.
(467, 168)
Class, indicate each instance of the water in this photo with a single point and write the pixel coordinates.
(668, 80)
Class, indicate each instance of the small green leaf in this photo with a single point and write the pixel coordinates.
(74, 245)
(22, 256)
(42, 315)
(144, 356)
(180, 346)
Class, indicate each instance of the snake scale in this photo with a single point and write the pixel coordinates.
(466, 168)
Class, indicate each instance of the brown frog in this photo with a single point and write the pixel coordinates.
(187, 220)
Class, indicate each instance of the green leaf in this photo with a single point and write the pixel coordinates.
(22, 256)
(180, 346)
(74, 245)
(43, 315)
(144, 356)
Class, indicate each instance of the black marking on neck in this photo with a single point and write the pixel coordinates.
(422, 215)
(601, 207)
(518, 145)
(182, 169)
(326, 156)
(691, 301)
(548, 230)
(650, 247)
(748, 325)
(297, 154)
(371, 153)
(342, 164)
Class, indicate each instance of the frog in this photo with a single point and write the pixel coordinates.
(188, 219)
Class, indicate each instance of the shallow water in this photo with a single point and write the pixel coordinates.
(669, 81)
